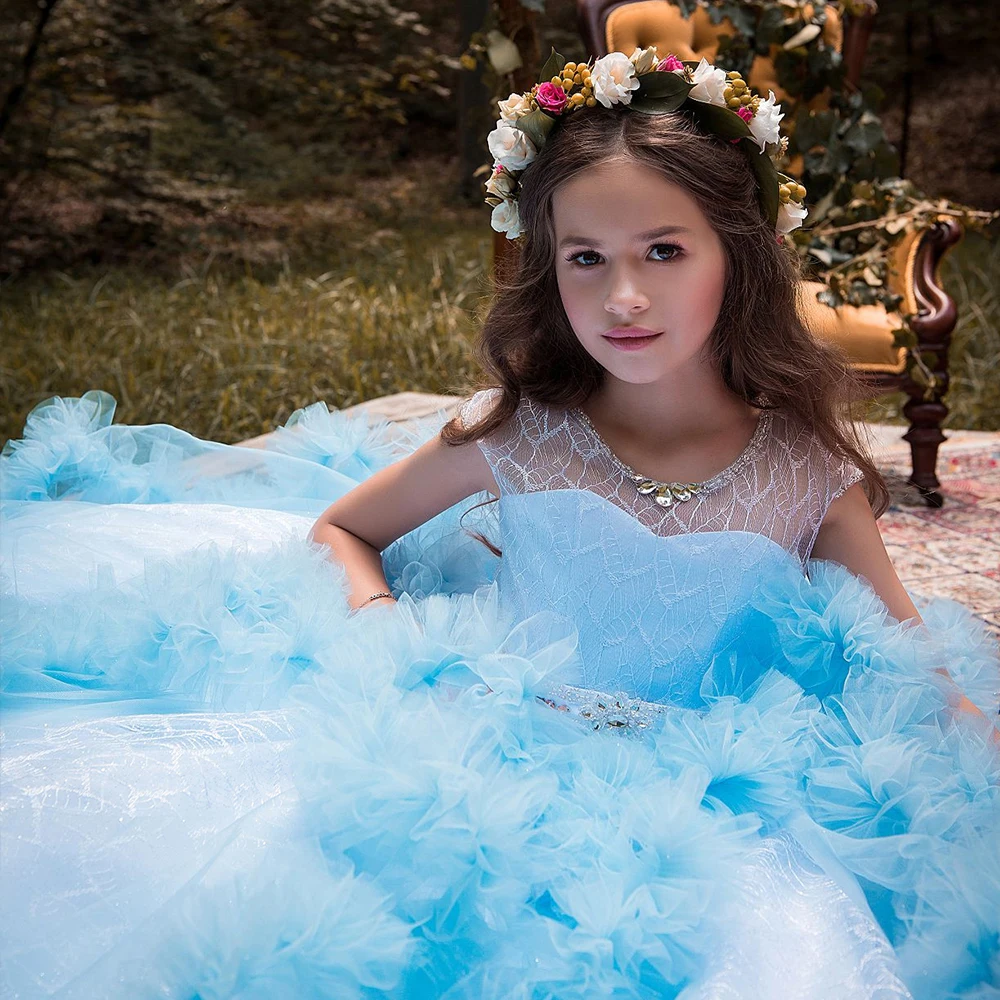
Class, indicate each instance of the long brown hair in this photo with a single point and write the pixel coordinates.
(761, 347)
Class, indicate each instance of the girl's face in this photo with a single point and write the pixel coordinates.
(635, 253)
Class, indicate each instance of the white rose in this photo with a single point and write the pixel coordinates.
(764, 124)
(500, 184)
(506, 219)
(510, 147)
(644, 60)
(790, 216)
(514, 107)
(613, 79)
(709, 84)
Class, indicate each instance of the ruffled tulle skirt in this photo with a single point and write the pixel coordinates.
(218, 784)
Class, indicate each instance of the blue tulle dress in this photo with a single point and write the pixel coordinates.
(648, 752)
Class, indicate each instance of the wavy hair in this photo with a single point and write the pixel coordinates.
(763, 351)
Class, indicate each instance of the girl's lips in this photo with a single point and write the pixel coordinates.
(630, 332)
(632, 343)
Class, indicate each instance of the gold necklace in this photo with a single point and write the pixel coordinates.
(665, 494)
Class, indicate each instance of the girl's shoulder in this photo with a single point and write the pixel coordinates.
(476, 406)
(796, 453)
(529, 414)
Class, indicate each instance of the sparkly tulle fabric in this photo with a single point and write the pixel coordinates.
(648, 752)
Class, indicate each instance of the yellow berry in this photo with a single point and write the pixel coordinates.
(591, 101)
(800, 191)
(783, 196)
(732, 75)
(557, 80)
(745, 100)
(733, 102)
(569, 67)
(567, 85)
(577, 78)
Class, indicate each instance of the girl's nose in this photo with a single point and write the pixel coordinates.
(625, 297)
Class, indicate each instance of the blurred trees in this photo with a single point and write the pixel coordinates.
(157, 107)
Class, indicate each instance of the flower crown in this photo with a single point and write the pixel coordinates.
(722, 102)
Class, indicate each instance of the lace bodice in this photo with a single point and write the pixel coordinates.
(780, 486)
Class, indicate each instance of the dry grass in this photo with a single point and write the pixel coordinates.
(228, 355)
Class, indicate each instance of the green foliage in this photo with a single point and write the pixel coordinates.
(122, 97)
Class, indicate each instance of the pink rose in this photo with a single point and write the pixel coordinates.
(551, 98)
(670, 64)
(747, 115)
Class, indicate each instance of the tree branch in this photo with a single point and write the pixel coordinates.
(17, 92)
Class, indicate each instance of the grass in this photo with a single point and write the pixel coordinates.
(228, 353)
(971, 275)
(386, 298)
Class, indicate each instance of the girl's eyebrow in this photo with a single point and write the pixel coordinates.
(640, 238)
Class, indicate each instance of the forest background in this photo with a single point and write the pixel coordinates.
(220, 211)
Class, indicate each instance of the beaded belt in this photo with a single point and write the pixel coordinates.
(619, 712)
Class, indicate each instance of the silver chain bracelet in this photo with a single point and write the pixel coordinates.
(381, 593)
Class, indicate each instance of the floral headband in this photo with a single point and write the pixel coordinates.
(722, 102)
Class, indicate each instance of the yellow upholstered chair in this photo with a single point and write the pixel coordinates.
(865, 333)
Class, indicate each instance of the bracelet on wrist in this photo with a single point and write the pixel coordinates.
(381, 593)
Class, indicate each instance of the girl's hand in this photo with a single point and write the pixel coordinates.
(960, 702)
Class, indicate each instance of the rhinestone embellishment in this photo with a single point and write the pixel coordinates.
(665, 494)
(620, 713)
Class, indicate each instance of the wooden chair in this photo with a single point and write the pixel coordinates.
(865, 333)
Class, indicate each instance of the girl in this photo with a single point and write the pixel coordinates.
(688, 736)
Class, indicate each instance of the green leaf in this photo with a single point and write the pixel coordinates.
(657, 105)
(536, 125)
(656, 85)
(814, 128)
(551, 67)
(767, 178)
(722, 122)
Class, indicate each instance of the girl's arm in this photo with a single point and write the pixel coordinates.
(849, 535)
(393, 501)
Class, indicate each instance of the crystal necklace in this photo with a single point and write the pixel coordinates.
(667, 494)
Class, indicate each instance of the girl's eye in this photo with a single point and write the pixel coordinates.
(671, 249)
(573, 258)
(664, 252)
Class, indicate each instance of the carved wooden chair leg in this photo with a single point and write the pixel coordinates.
(925, 437)
(933, 325)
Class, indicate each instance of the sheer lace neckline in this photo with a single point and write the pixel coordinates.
(719, 479)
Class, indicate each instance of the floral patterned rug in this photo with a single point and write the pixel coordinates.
(953, 551)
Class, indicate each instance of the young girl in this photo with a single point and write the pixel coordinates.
(688, 736)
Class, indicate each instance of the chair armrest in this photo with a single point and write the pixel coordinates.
(916, 278)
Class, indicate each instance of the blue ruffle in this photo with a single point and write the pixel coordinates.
(456, 837)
